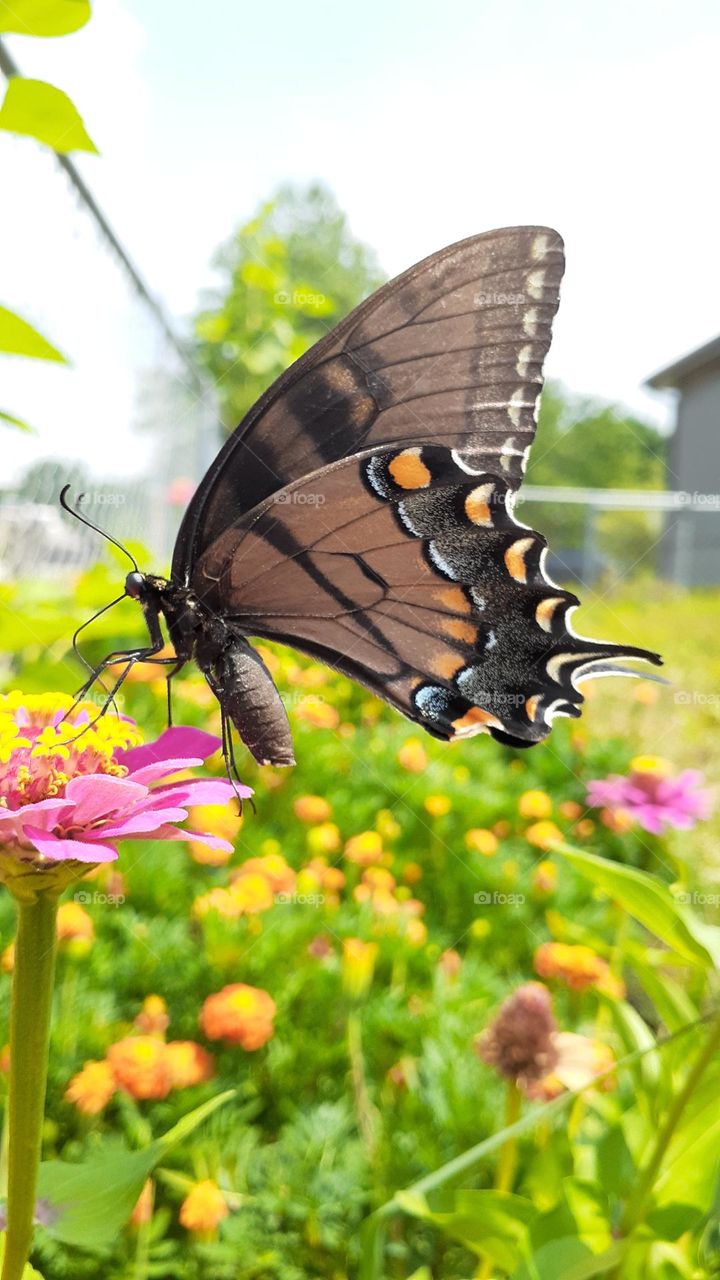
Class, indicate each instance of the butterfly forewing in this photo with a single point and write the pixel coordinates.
(449, 352)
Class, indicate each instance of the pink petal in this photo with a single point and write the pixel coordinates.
(97, 794)
(163, 769)
(179, 741)
(179, 833)
(43, 814)
(201, 791)
(59, 850)
(137, 823)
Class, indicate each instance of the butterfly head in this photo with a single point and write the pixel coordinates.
(136, 586)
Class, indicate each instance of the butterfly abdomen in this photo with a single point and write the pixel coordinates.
(247, 695)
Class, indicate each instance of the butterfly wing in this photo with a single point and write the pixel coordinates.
(413, 577)
(449, 352)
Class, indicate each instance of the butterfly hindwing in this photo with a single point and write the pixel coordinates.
(405, 573)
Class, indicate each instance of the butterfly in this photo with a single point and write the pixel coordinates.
(362, 512)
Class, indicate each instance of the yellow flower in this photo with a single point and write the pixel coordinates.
(252, 893)
(188, 1063)
(312, 809)
(544, 835)
(480, 840)
(203, 1209)
(364, 849)
(75, 929)
(412, 756)
(324, 838)
(534, 804)
(387, 825)
(438, 806)
(645, 693)
(416, 932)
(153, 1019)
(216, 820)
(651, 764)
(358, 966)
(273, 867)
(545, 877)
(92, 1088)
(318, 713)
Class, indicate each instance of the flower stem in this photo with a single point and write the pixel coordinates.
(32, 992)
(507, 1160)
(637, 1204)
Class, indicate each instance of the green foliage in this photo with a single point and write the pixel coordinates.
(287, 277)
(586, 443)
(19, 338)
(39, 110)
(43, 17)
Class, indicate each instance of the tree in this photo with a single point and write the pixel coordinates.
(288, 276)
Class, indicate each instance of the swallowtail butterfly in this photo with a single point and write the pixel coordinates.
(362, 512)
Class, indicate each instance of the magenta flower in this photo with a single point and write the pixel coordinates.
(70, 792)
(653, 798)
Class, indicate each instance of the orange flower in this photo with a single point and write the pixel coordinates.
(412, 873)
(279, 875)
(584, 828)
(7, 960)
(240, 1015)
(251, 894)
(570, 809)
(416, 932)
(480, 840)
(312, 809)
(318, 713)
(143, 1210)
(141, 1067)
(450, 963)
(412, 756)
(92, 1088)
(188, 1063)
(534, 804)
(364, 849)
(141, 672)
(438, 806)
(153, 1018)
(544, 835)
(216, 820)
(204, 1208)
(578, 967)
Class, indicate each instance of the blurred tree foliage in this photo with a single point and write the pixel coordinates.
(287, 277)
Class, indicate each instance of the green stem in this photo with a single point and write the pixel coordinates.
(32, 992)
(363, 1106)
(637, 1204)
(507, 1160)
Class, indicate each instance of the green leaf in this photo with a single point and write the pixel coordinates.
(12, 421)
(18, 338)
(492, 1223)
(95, 1199)
(43, 17)
(39, 110)
(651, 903)
(671, 1000)
(672, 1220)
(636, 1034)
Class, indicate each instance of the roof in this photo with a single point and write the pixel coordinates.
(673, 375)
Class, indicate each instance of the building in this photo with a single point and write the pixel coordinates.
(691, 550)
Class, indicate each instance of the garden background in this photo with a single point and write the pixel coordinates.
(390, 893)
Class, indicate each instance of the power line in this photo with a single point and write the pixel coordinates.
(10, 69)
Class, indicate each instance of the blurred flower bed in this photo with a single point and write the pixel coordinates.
(350, 968)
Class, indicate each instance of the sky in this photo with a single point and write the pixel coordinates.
(429, 121)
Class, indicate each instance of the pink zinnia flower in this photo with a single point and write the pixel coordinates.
(70, 790)
(653, 798)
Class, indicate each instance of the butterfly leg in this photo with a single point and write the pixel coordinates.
(179, 664)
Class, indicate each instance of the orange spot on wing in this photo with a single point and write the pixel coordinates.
(454, 598)
(460, 630)
(475, 721)
(446, 665)
(531, 707)
(476, 505)
(515, 559)
(545, 611)
(409, 471)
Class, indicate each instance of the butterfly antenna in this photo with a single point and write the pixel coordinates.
(72, 511)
